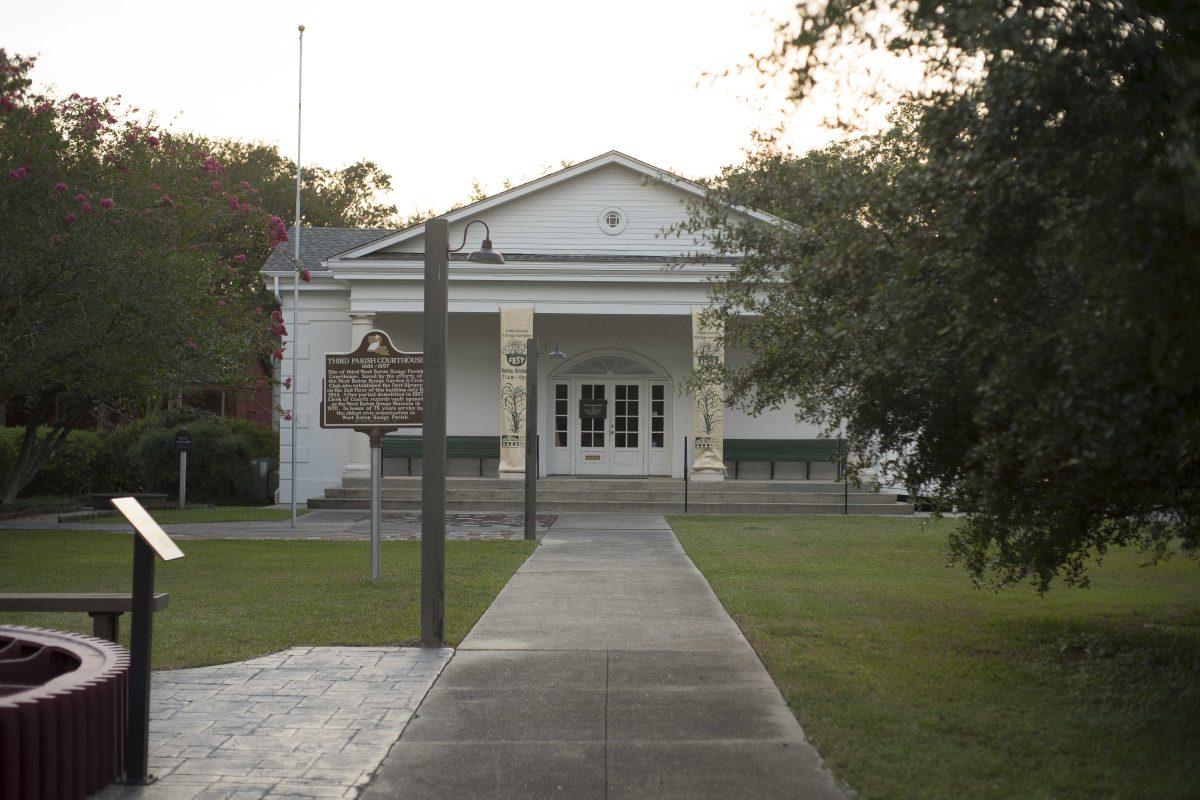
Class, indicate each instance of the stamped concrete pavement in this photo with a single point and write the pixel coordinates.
(606, 668)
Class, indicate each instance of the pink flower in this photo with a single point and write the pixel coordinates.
(61, 186)
(287, 383)
(245, 184)
(240, 257)
(44, 108)
(277, 353)
(106, 202)
(192, 344)
(167, 201)
(6, 104)
(19, 174)
(220, 302)
(87, 208)
(234, 205)
(215, 184)
(245, 206)
(211, 165)
(79, 198)
(277, 315)
(256, 311)
(153, 140)
(287, 416)
(69, 218)
(306, 276)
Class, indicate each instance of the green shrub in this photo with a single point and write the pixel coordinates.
(72, 469)
(218, 462)
(10, 445)
(263, 439)
(70, 472)
(116, 469)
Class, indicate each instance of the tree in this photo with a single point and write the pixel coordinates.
(344, 198)
(128, 268)
(1003, 291)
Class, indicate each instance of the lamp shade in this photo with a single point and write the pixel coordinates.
(485, 255)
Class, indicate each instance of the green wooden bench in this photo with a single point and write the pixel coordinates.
(792, 450)
(480, 447)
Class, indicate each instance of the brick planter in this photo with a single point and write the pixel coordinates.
(62, 713)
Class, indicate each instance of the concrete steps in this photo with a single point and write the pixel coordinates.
(622, 495)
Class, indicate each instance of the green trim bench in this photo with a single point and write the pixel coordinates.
(407, 446)
(804, 451)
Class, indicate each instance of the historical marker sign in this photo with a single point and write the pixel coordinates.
(376, 386)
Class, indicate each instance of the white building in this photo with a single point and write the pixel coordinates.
(587, 261)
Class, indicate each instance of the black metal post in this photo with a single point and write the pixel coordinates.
(137, 747)
(845, 480)
(433, 436)
(531, 463)
(685, 475)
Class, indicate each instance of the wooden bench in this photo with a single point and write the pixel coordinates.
(480, 447)
(104, 609)
(804, 451)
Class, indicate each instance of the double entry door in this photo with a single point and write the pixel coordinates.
(608, 427)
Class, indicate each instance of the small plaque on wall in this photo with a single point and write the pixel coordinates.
(593, 409)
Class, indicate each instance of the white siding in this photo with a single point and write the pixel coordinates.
(564, 218)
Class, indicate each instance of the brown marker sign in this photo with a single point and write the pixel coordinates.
(376, 386)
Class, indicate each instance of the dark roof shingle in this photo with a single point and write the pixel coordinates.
(318, 244)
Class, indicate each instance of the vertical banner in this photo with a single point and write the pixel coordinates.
(516, 327)
(708, 408)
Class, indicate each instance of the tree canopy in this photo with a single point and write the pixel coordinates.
(1000, 295)
(129, 267)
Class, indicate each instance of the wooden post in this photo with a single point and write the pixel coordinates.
(433, 438)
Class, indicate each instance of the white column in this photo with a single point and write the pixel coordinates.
(358, 464)
(516, 326)
(708, 404)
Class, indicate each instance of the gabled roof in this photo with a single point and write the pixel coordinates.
(318, 244)
(611, 157)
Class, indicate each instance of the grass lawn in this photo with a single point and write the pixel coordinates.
(912, 683)
(167, 516)
(231, 600)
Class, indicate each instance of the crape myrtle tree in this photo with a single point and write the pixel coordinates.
(128, 263)
(1002, 292)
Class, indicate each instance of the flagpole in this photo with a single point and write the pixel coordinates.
(295, 338)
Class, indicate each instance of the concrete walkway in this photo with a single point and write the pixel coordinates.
(606, 668)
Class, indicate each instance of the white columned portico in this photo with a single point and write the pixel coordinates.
(358, 463)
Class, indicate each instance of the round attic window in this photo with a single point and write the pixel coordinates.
(612, 220)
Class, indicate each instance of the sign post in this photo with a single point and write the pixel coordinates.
(183, 443)
(149, 540)
(374, 390)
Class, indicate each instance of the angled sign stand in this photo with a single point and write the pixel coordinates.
(149, 540)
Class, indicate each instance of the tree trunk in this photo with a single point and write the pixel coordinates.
(35, 452)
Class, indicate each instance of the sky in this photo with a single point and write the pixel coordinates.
(439, 94)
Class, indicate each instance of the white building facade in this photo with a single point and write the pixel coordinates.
(588, 261)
